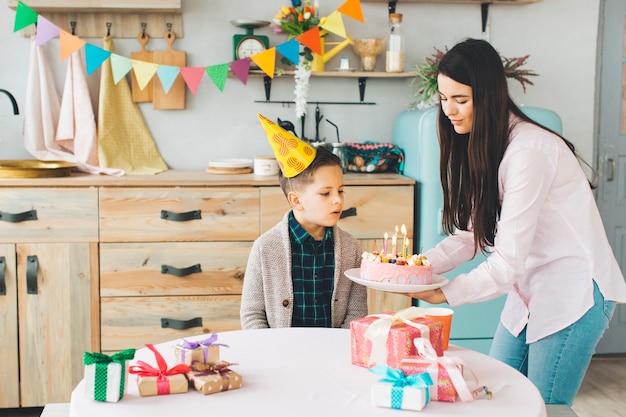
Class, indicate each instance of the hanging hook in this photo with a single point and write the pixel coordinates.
(73, 27)
(144, 25)
(109, 24)
(169, 29)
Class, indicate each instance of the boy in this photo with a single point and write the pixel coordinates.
(295, 273)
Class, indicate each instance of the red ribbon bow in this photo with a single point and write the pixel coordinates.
(144, 369)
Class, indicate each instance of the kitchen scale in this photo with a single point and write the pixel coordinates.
(248, 44)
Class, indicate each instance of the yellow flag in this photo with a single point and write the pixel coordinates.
(266, 60)
(144, 71)
(334, 24)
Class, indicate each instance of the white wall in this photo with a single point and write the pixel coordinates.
(559, 35)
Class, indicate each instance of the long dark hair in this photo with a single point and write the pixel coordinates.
(469, 162)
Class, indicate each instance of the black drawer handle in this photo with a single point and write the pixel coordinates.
(3, 266)
(181, 324)
(32, 266)
(181, 272)
(181, 217)
(348, 213)
(18, 217)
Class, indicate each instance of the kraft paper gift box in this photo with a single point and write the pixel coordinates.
(205, 351)
(160, 380)
(450, 376)
(400, 391)
(106, 376)
(210, 379)
(385, 339)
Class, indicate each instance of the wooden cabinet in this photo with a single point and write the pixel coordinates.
(48, 261)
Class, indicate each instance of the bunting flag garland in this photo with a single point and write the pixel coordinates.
(218, 74)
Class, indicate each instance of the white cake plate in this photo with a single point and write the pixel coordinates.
(355, 275)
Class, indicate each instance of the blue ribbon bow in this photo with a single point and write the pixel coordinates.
(399, 381)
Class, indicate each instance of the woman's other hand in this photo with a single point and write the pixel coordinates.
(435, 296)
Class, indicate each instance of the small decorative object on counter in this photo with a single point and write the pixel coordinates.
(105, 376)
(205, 351)
(451, 377)
(386, 339)
(400, 391)
(395, 44)
(368, 50)
(160, 381)
(209, 379)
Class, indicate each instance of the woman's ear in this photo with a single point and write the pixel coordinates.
(294, 200)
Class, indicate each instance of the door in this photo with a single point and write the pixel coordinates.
(611, 149)
(9, 370)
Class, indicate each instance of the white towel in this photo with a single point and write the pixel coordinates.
(42, 109)
(76, 130)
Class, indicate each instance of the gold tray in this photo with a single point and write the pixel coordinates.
(25, 168)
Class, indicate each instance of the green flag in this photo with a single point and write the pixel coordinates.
(24, 16)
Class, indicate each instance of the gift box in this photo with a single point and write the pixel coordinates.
(385, 339)
(209, 379)
(450, 376)
(400, 391)
(205, 351)
(106, 376)
(160, 380)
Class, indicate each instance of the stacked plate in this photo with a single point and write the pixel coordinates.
(230, 166)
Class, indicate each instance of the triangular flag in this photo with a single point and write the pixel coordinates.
(144, 71)
(334, 24)
(192, 76)
(218, 74)
(352, 8)
(290, 50)
(167, 75)
(46, 30)
(266, 60)
(241, 68)
(120, 66)
(311, 39)
(68, 44)
(24, 16)
(95, 57)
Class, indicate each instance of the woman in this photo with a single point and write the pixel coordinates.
(516, 190)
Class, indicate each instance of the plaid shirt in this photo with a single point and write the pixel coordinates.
(312, 274)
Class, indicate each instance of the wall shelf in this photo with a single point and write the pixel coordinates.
(361, 76)
(456, 1)
(126, 17)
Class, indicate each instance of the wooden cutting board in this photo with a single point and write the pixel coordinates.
(175, 98)
(145, 95)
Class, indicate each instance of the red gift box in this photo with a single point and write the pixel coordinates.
(385, 339)
(451, 377)
(161, 380)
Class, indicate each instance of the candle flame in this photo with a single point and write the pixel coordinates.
(386, 235)
(403, 230)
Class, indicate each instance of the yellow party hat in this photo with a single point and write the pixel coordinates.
(293, 155)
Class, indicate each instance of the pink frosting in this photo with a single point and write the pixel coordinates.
(396, 274)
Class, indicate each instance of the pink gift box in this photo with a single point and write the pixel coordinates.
(394, 334)
(451, 377)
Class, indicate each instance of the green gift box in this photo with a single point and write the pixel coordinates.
(105, 376)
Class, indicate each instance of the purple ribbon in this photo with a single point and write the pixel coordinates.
(204, 344)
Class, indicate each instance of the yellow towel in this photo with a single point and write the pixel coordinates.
(124, 140)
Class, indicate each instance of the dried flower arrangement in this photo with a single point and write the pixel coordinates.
(426, 79)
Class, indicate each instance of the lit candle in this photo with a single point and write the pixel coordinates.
(385, 244)
(394, 240)
(404, 248)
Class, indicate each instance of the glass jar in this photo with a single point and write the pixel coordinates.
(395, 44)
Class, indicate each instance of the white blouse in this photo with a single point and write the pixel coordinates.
(550, 244)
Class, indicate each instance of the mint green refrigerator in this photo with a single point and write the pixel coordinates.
(473, 325)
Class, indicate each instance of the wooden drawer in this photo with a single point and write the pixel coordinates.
(138, 269)
(134, 321)
(61, 215)
(375, 209)
(149, 214)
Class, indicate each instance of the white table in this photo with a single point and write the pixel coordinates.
(307, 372)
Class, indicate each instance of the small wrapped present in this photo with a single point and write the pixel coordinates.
(160, 381)
(206, 351)
(105, 376)
(209, 379)
(385, 339)
(451, 377)
(400, 391)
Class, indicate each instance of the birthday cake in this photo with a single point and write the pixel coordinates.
(387, 268)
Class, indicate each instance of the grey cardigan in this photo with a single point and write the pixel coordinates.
(267, 297)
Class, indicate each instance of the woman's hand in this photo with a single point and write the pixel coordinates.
(435, 296)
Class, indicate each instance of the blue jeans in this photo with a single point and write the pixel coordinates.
(557, 363)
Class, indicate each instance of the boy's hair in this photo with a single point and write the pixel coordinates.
(323, 157)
